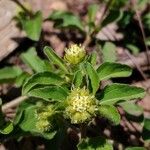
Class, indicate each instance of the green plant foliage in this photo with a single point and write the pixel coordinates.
(29, 119)
(32, 25)
(141, 4)
(110, 112)
(147, 42)
(66, 20)
(113, 16)
(66, 100)
(146, 130)
(28, 123)
(147, 124)
(50, 92)
(20, 80)
(96, 143)
(126, 19)
(120, 3)
(146, 20)
(93, 58)
(112, 70)
(132, 108)
(33, 61)
(20, 109)
(43, 78)
(111, 93)
(92, 10)
(78, 77)
(109, 52)
(6, 128)
(52, 56)
(93, 77)
(134, 49)
(9, 74)
(60, 95)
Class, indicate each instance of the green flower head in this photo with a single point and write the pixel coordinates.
(44, 118)
(74, 54)
(81, 106)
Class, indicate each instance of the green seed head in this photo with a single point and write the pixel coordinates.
(44, 118)
(74, 54)
(81, 106)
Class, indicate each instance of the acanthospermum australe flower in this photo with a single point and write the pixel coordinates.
(81, 106)
(74, 54)
(44, 118)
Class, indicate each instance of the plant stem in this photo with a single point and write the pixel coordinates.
(143, 34)
(23, 7)
(133, 2)
(87, 40)
(136, 64)
(109, 3)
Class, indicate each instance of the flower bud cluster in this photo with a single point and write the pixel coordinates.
(44, 118)
(74, 54)
(81, 106)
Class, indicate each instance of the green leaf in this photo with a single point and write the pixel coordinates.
(28, 123)
(78, 77)
(114, 15)
(141, 4)
(43, 78)
(33, 26)
(92, 58)
(147, 124)
(146, 130)
(126, 19)
(29, 119)
(96, 143)
(112, 70)
(6, 128)
(66, 20)
(110, 112)
(116, 92)
(118, 4)
(8, 74)
(92, 10)
(135, 148)
(33, 61)
(20, 110)
(146, 20)
(147, 41)
(21, 79)
(93, 77)
(109, 52)
(131, 108)
(50, 92)
(133, 48)
(52, 56)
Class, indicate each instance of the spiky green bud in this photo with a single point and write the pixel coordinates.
(74, 54)
(81, 106)
(44, 117)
